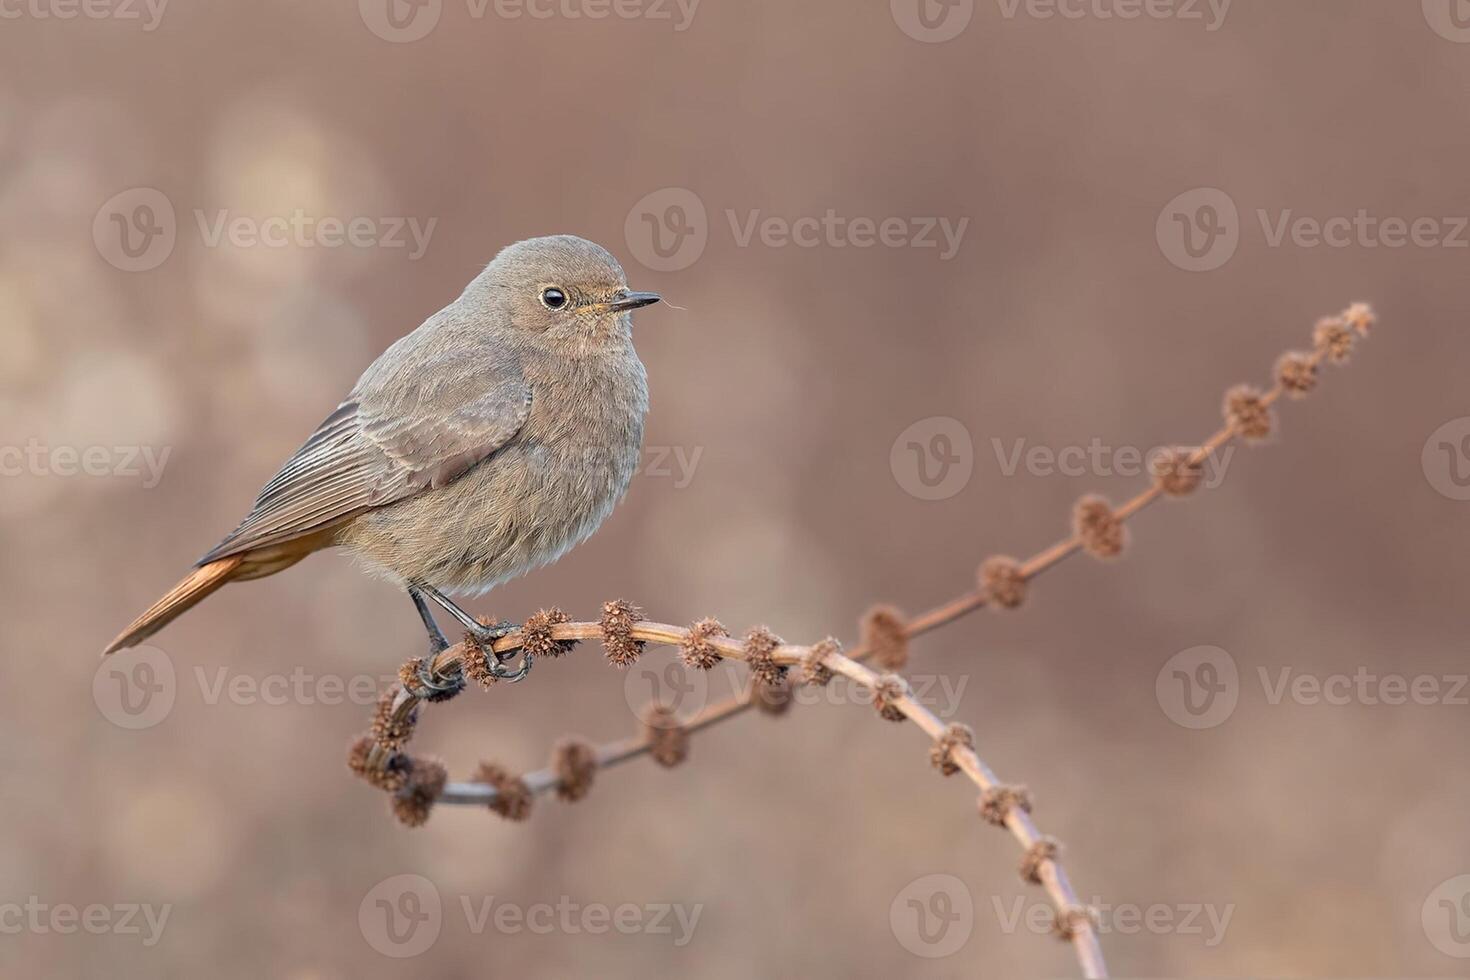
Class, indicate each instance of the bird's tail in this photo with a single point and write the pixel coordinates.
(196, 586)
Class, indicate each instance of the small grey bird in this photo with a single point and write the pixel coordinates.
(486, 443)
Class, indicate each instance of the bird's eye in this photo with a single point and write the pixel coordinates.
(553, 298)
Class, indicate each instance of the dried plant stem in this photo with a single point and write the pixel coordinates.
(1098, 528)
(1050, 872)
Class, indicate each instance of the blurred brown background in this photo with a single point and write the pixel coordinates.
(1331, 835)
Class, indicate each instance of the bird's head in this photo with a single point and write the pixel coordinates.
(563, 290)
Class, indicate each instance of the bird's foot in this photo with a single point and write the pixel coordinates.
(484, 635)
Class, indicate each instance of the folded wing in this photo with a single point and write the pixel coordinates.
(414, 423)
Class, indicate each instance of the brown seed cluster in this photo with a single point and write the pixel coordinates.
(997, 802)
(941, 753)
(513, 797)
(885, 635)
(1360, 317)
(419, 678)
(1003, 582)
(477, 665)
(1248, 413)
(1175, 471)
(888, 690)
(389, 730)
(536, 634)
(813, 670)
(760, 645)
(1296, 373)
(1332, 336)
(575, 763)
(696, 649)
(1072, 918)
(668, 741)
(415, 798)
(1044, 849)
(618, 619)
(389, 777)
(1102, 534)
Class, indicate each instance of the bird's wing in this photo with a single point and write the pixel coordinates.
(412, 424)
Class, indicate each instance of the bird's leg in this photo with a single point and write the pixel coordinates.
(484, 636)
(437, 641)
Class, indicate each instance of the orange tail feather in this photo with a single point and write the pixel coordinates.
(182, 597)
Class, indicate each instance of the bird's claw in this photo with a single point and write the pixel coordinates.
(484, 637)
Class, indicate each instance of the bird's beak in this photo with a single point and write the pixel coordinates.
(632, 301)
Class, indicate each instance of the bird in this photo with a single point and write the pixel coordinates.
(486, 443)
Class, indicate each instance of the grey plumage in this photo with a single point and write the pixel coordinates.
(489, 441)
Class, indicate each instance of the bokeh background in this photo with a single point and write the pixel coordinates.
(1332, 835)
